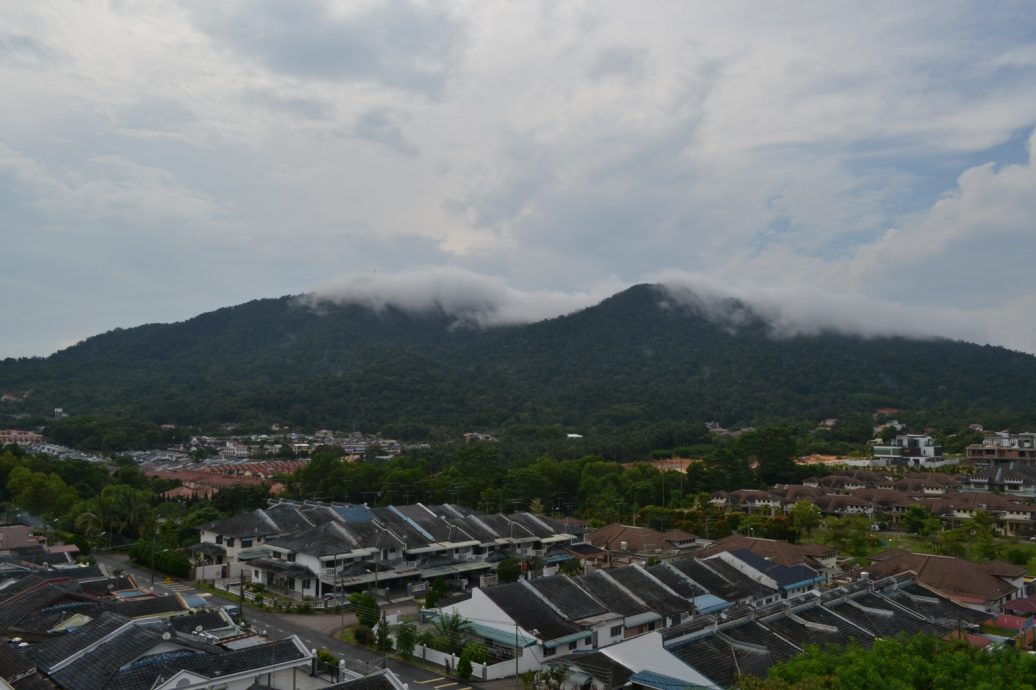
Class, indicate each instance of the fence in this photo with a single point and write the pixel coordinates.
(501, 669)
(270, 598)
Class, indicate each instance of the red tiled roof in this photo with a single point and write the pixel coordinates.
(952, 577)
(1027, 605)
(1003, 569)
(780, 552)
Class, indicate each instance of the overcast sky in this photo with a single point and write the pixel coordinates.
(860, 166)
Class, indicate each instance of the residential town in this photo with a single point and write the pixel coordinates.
(602, 606)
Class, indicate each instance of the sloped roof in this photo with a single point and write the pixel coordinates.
(612, 595)
(675, 580)
(47, 654)
(638, 539)
(781, 552)
(654, 594)
(531, 613)
(783, 575)
(953, 577)
(714, 582)
(224, 664)
(1003, 569)
(251, 524)
(12, 664)
(573, 602)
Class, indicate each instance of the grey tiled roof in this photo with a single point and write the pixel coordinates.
(138, 608)
(251, 524)
(602, 667)
(712, 581)
(610, 594)
(224, 664)
(89, 572)
(186, 623)
(653, 594)
(573, 602)
(675, 580)
(12, 664)
(96, 669)
(47, 654)
(734, 576)
(526, 609)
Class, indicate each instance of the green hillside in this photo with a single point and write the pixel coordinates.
(630, 359)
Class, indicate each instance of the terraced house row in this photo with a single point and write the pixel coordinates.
(954, 498)
(322, 549)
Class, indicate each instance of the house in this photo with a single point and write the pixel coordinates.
(640, 662)
(956, 579)
(113, 652)
(316, 549)
(1001, 446)
(815, 556)
(790, 580)
(908, 450)
(628, 544)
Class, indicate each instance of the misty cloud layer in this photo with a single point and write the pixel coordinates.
(469, 297)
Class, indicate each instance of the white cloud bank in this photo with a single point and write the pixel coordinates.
(469, 297)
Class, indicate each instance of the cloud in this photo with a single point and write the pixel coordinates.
(380, 126)
(470, 298)
(400, 44)
(804, 310)
(25, 51)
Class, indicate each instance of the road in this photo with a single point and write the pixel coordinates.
(315, 630)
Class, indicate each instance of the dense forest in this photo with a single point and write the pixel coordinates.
(634, 358)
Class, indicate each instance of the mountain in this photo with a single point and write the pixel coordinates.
(635, 357)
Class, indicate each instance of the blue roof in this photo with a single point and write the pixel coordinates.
(786, 576)
(354, 513)
(709, 603)
(651, 679)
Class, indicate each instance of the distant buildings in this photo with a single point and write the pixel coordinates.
(1002, 447)
(909, 450)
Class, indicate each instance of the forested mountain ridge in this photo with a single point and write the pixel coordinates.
(634, 357)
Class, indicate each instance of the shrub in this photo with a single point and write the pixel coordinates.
(464, 668)
(364, 635)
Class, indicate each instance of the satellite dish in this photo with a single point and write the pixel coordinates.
(166, 635)
(197, 628)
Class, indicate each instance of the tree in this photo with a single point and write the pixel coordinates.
(368, 613)
(849, 534)
(40, 493)
(381, 634)
(508, 570)
(451, 628)
(805, 517)
(919, 520)
(406, 638)
(920, 661)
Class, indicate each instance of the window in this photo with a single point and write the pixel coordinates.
(245, 543)
(291, 558)
(230, 541)
(219, 538)
(616, 630)
(549, 651)
(573, 645)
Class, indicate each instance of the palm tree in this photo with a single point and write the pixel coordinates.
(451, 628)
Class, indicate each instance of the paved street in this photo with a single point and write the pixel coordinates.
(315, 630)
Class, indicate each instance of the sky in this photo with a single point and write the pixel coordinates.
(859, 167)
